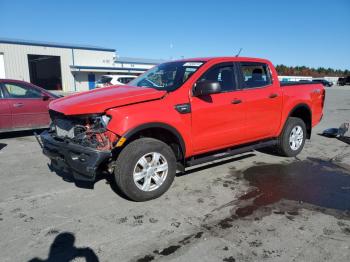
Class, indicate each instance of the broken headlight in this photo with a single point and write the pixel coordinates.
(105, 120)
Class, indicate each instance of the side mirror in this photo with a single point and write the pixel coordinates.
(45, 97)
(206, 87)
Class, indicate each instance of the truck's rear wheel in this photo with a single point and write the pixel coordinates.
(145, 169)
(292, 139)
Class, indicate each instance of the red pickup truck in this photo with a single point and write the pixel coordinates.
(179, 114)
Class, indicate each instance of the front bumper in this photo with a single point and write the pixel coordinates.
(84, 161)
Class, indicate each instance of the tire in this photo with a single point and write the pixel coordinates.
(284, 146)
(137, 164)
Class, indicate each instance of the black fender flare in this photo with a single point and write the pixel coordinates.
(167, 127)
(303, 106)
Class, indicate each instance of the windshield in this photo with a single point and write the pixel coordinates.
(167, 76)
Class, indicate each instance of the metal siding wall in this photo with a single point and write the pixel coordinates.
(93, 58)
(82, 81)
(90, 58)
(2, 66)
(16, 62)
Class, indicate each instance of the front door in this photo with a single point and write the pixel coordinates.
(28, 108)
(218, 120)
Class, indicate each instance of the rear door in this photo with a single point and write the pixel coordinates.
(218, 120)
(5, 112)
(28, 107)
(262, 99)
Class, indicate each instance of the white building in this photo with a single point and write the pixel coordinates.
(65, 67)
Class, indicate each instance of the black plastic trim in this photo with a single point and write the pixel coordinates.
(173, 130)
(294, 83)
(302, 105)
(183, 108)
(83, 160)
(211, 156)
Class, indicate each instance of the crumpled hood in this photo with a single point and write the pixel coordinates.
(99, 100)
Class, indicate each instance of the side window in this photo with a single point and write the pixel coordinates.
(21, 91)
(255, 75)
(224, 74)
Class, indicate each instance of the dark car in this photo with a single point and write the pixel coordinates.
(324, 82)
(342, 81)
(23, 106)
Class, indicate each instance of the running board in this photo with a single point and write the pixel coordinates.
(196, 160)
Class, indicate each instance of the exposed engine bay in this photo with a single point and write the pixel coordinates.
(84, 130)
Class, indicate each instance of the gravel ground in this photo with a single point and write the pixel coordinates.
(253, 207)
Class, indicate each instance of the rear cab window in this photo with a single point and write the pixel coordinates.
(255, 75)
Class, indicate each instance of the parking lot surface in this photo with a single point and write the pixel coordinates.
(252, 207)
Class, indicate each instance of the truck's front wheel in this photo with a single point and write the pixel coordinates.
(145, 169)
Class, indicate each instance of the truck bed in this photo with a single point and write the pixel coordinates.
(307, 91)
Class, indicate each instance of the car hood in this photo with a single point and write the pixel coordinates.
(99, 100)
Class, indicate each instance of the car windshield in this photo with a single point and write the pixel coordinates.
(167, 76)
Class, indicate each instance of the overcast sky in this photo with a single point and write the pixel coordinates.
(311, 33)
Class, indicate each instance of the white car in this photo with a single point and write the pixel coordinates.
(111, 80)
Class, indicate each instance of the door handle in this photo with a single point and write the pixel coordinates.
(18, 105)
(273, 95)
(236, 101)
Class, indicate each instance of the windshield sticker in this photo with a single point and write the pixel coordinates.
(195, 64)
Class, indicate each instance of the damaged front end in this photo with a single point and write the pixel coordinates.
(79, 143)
